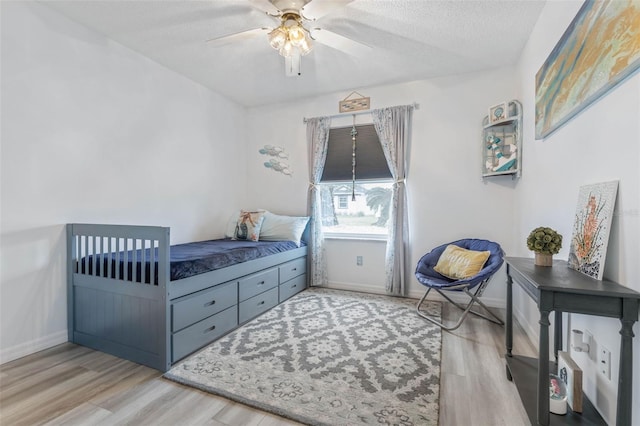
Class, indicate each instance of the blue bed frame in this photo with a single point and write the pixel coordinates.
(132, 316)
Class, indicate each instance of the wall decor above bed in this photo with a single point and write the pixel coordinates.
(276, 163)
(598, 51)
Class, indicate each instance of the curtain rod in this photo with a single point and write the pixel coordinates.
(415, 105)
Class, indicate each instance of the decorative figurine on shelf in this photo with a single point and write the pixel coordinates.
(500, 163)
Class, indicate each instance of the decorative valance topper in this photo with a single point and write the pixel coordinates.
(354, 104)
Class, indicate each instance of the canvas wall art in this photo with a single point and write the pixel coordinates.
(591, 228)
(599, 50)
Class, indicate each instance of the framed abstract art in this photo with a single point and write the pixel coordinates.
(591, 228)
(598, 50)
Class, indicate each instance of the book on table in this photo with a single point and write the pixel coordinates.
(571, 375)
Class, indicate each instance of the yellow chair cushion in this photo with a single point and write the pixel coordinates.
(458, 263)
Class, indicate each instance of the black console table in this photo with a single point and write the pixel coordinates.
(562, 289)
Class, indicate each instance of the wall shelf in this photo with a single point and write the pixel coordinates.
(502, 143)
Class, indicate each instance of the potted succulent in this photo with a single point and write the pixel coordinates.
(545, 242)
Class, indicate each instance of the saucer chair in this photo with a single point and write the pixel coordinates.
(466, 264)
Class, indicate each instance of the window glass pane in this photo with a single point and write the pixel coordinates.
(368, 214)
(342, 202)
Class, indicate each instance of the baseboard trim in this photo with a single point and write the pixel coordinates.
(33, 346)
(364, 288)
(530, 330)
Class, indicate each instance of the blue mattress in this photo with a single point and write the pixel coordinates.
(190, 259)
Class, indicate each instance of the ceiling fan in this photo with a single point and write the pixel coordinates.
(291, 38)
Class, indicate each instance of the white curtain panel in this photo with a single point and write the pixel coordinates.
(393, 126)
(318, 140)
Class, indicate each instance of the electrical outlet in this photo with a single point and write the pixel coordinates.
(604, 361)
(359, 260)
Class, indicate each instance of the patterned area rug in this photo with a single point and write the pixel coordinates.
(328, 357)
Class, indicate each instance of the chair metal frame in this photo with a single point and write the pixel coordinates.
(474, 299)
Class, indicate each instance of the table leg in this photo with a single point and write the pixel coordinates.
(509, 318)
(557, 335)
(543, 370)
(509, 323)
(625, 380)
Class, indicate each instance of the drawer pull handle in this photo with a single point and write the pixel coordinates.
(261, 303)
(294, 269)
(213, 327)
(294, 286)
(213, 302)
(261, 283)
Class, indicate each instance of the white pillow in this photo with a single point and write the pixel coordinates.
(282, 228)
(231, 224)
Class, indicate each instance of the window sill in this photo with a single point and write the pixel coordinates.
(356, 237)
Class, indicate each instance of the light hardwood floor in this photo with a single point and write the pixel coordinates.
(74, 385)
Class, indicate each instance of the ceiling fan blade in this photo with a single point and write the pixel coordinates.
(265, 6)
(339, 42)
(318, 8)
(240, 36)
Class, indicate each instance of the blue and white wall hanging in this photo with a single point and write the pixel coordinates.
(276, 164)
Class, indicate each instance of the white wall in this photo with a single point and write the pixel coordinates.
(94, 132)
(447, 198)
(600, 144)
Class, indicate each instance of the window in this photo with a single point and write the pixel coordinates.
(367, 215)
(363, 209)
(342, 202)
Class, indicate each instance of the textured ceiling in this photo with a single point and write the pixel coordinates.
(409, 40)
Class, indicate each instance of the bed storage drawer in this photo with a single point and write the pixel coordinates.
(292, 269)
(257, 283)
(191, 309)
(257, 305)
(203, 332)
(292, 287)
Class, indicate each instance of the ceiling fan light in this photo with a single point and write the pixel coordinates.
(286, 49)
(290, 38)
(296, 35)
(277, 38)
(304, 46)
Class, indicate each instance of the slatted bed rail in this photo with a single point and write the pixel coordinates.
(117, 290)
(107, 246)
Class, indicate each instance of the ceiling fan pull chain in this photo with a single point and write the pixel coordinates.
(354, 132)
